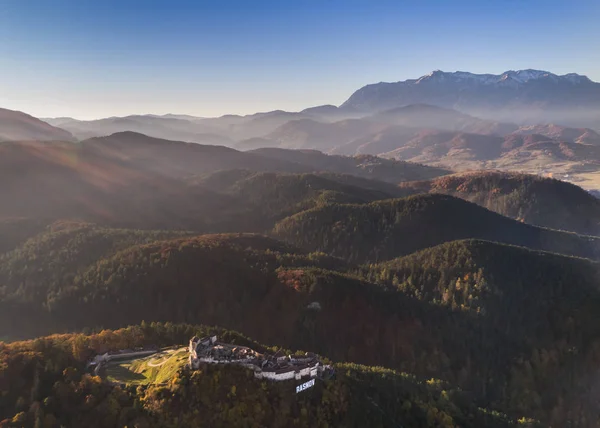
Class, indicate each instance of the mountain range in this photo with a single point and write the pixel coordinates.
(396, 236)
(518, 96)
(524, 121)
(16, 125)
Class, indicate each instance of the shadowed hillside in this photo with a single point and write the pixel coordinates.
(547, 301)
(387, 229)
(433, 313)
(176, 158)
(65, 277)
(362, 166)
(535, 200)
(131, 180)
(513, 287)
(16, 125)
(262, 199)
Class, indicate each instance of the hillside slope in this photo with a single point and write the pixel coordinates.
(50, 260)
(177, 158)
(15, 126)
(512, 287)
(533, 199)
(393, 317)
(51, 181)
(263, 198)
(363, 166)
(167, 127)
(311, 134)
(387, 229)
(59, 392)
(435, 117)
(66, 277)
(533, 297)
(561, 133)
(134, 181)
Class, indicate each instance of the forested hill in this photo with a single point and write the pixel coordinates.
(367, 166)
(100, 235)
(260, 199)
(386, 229)
(514, 288)
(49, 260)
(46, 385)
(225, 201)
(15, 231)
(89, 276)
(440, 313)
(176, 158)
(133, 181)
(533, 199)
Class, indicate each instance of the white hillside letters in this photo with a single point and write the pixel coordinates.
(305, 385)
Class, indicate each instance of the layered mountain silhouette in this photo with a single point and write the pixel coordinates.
(471, 298)
(170, 127)
(15, 126)
(131, 180)
(517, 96)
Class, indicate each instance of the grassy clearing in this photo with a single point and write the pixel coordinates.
(157, 368)
(589, 180)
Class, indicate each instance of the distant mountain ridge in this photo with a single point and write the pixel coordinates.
(132, 180)
(16, 125)
(510, 77)
(522, 96)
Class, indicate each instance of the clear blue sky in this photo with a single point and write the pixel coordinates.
(97, 58)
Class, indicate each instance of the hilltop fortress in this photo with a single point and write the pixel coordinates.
(277, 367)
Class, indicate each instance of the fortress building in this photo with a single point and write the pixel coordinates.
(277, 367)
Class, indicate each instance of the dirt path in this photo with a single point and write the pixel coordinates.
(169, 352)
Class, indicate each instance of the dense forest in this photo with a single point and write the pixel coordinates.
(47, 386)
(436, 310)
(476, 314)
(386, 229)
(535, 200)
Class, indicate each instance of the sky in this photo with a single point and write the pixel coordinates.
(99, 58)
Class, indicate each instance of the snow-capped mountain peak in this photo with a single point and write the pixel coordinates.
(576, 78)
(522, 96)
(523, 76)
(511, 76)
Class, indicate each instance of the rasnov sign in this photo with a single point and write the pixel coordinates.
(305, 385)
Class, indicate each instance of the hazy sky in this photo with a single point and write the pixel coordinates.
(97, 58)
